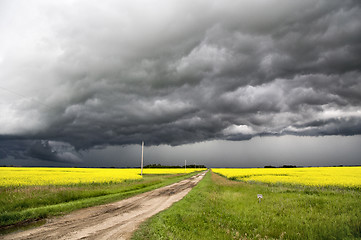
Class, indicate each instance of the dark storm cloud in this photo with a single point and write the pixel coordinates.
(15, 148)
(45, 151)
(39, 149)
(176, 72)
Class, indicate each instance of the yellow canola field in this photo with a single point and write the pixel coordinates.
(22, 176)
(313, 176)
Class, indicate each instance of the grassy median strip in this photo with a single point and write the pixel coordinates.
(218, 208)
(19, 205)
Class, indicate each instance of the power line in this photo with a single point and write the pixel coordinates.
(23, 96)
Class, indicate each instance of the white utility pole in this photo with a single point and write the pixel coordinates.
(141, 165)
(185, 165)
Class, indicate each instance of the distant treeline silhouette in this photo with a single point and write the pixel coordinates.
(284, 166)
(164, 166)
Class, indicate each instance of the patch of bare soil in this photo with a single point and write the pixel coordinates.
(111, 221)
(223, 180)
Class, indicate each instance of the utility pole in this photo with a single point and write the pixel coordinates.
(141, 165)
(185, 165)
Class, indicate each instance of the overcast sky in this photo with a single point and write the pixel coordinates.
(227, 83)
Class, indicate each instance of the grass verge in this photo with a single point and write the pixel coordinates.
(218, 208)
(21, 206)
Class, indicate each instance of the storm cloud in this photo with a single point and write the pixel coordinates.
(93, 74)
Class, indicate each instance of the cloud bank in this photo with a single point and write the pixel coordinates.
(93, 74)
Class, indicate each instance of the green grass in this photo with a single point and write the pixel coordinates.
(20, 205)
(218, 208)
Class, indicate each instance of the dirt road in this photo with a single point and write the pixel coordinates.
(111, 221)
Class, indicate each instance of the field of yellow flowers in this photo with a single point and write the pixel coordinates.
(219, 208)
(28, 194)
(16, 176)
(312, 176)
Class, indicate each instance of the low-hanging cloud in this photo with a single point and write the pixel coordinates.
(176, 72)
(52, 151)
(39, 149)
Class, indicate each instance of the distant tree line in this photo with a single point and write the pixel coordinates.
(174, 166)
(284, 166)
(293, 166)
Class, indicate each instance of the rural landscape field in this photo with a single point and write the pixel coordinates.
(319, 203)
(180, 119)
(31, 194)
(20, 177)
(220, 208)
(345, 177)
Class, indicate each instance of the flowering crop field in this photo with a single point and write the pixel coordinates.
(170, 170)
(35, 193)
(14, 176)
(10, 176)
(313, 176)
(219, 208)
